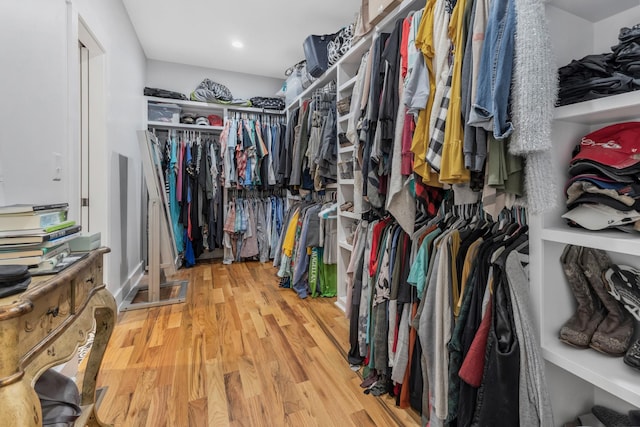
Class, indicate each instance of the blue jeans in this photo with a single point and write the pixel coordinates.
(490, 110)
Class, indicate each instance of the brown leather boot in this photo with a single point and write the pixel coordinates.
(614, 333)
(579, 329)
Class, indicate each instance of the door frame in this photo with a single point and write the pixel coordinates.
(97, 161)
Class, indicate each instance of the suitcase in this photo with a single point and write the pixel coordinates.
(315, 52)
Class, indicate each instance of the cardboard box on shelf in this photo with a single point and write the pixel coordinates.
(378, 9)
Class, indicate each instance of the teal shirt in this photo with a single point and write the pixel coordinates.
(418, 272)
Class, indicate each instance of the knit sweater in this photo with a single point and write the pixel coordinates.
(534, 91)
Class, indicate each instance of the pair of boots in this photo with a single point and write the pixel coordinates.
(600, 322)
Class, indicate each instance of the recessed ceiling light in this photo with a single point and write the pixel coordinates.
(237, 44)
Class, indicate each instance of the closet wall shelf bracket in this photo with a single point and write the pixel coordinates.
(345, 245)
(347, 149)
(343, 119)
(348, 84)
(350, 215)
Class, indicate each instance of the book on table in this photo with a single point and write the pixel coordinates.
(12, 253)
(36, 230)
(41, 219)
(37, 236)
(30, 209)
(30, 258)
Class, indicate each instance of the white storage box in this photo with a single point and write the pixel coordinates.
(168, 113)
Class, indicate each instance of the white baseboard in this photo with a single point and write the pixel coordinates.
(341, 303)
(132, 281)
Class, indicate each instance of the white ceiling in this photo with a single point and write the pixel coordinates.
(200, 32)
(594, 10)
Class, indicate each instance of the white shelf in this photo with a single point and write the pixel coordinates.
(348, 84)
(345, 245)
(346, 182)
(608, 240)
(606, 372)
(202, 106)
(347, 149)
(350, 215)
(332, 186)
(345, 118)
(619, 108)
(185, 103)
(167, 125)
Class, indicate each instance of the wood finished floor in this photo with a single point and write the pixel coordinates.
(240, 352)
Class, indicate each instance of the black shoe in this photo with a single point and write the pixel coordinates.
(624, 285)
(610, 418)
(632, 357)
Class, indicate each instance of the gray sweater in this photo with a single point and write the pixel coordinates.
(535, 405)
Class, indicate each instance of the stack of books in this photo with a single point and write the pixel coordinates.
(36, 235)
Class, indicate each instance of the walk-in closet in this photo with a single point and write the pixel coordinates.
(339, 213)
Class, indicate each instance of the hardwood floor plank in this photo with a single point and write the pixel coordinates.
(158, 407)
(362, 419)
(316, 405)
(195, 365)
(175, 318)
(178, 400)
(235, 399)
(251, 385)
(241, 351)
(139, 408)
(284, 350)
(217, 408)
(198, 413)
(258, 324)
(300, 419)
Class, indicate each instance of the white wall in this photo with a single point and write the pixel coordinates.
(125, 71)
(185, 78)
(39, 112)
(33, 117)
(606, 31)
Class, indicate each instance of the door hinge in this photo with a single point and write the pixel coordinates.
(84, 202)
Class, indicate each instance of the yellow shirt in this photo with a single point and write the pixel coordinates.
(290, 237)
(421, 137)
(452, 170)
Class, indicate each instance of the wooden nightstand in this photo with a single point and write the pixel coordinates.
(43, 327)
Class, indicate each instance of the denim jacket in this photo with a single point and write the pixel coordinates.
(490, 110)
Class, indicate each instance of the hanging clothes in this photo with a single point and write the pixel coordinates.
(193, 164)
(308, 262)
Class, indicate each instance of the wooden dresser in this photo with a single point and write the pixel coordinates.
(43, 327)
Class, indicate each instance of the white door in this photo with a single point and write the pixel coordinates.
(85, 136)
(92, 170)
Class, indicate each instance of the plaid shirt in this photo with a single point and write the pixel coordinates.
(434, 150)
